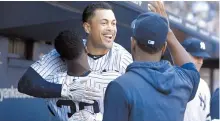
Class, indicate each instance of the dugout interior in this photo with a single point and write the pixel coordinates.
(28, 28)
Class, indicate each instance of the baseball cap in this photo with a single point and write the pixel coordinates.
(150, 29)
(195, 47)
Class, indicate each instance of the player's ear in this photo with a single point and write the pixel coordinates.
(87, 27)
(133, 43)
(164, 48)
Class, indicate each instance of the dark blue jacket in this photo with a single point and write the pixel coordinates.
(151, 91)
(214, 108)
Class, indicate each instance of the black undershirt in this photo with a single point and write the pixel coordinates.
(95, 57)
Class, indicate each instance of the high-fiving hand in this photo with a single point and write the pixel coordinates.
(158, 7)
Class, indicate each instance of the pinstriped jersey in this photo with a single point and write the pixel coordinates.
(198, 109)
(117, 59)
(98, 80)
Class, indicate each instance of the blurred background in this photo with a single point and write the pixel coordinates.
(204, 14)
(27, 30)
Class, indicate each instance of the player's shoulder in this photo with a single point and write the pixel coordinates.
(117, 48)
(48, 60)
(203, 84)
(52, 53)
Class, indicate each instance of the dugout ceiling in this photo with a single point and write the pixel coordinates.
(44, 20)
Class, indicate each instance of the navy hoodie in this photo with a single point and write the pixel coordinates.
(214, 108)
(151, 91)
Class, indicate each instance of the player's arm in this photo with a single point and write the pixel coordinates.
(116, 106)
(33, 84)
(179, 55)
(182, 59)
(33, 81)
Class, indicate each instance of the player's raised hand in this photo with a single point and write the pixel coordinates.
(158, 7)
(76, 90)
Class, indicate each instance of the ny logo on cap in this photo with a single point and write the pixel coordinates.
(151, 42)
(202, 45)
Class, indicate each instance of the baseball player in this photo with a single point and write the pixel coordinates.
(74, 79)
(104, 55)
(160, 91)
(199, 108)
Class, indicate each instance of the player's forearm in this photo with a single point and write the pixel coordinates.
(178, 53)
(31, 83)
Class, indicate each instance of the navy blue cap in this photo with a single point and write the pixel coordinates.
(150, 29)
(195, 47)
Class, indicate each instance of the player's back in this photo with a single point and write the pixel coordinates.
(63, 108)
(199, 108)
(155, 91)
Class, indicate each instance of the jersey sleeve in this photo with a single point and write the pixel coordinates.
(31, 83)
(190, 76)
(49, 64)
(34, 81)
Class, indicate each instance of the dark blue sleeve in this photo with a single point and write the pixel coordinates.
(191, 73)
(214, 107)
(189, 66)
(31, 83)
(115, 103)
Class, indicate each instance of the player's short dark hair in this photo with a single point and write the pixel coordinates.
(69, 44)
(90, 9)
(148, 49)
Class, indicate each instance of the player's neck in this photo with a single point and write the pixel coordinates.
(147, 57)
(78, 67)
(93, 50)
(78, 73)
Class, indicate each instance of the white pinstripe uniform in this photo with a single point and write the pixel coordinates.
(117, 59)
(99, 80)
(198, 108)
